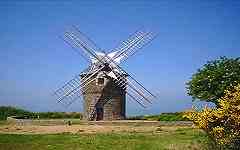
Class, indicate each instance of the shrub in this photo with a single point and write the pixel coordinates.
(136, 118)
(221, 123)
(177, 116)
(6, 111)
(58, 115)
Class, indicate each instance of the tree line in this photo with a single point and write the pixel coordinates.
(18, 113)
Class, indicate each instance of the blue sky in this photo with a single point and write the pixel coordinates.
(34, 60)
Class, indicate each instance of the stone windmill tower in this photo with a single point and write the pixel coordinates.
(104, 85)
(103, 100)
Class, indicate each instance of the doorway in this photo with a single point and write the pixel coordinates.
(99, 113)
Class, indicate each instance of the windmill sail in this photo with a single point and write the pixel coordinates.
(130, 46)
(73, 89)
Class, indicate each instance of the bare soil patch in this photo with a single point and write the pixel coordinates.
(88, 128)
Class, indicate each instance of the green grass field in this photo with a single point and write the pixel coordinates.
(176, 140)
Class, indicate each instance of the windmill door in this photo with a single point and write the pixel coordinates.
(99, 113)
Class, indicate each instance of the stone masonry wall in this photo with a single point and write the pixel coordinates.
(110, 98)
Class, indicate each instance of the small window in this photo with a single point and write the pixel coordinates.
(100, 81)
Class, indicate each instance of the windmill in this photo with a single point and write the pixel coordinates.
(104, 84)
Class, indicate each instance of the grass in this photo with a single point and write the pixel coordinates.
(162, 140)
(3, 122)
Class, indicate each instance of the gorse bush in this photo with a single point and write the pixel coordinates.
(221, 123)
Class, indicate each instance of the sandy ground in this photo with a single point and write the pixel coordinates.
(81, 129)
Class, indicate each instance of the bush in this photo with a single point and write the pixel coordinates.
(6, 111)
(59, 115)
(177, 116)
(136, 118)
(221, 123)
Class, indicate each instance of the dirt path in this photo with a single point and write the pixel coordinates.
(81, 129)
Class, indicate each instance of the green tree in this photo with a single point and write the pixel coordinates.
(209, 83)
(6, 111)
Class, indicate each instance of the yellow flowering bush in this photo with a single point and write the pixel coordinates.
(221, 123)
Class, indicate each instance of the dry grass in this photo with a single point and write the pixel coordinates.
(53, 129)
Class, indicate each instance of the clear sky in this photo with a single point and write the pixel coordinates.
(34, 61)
